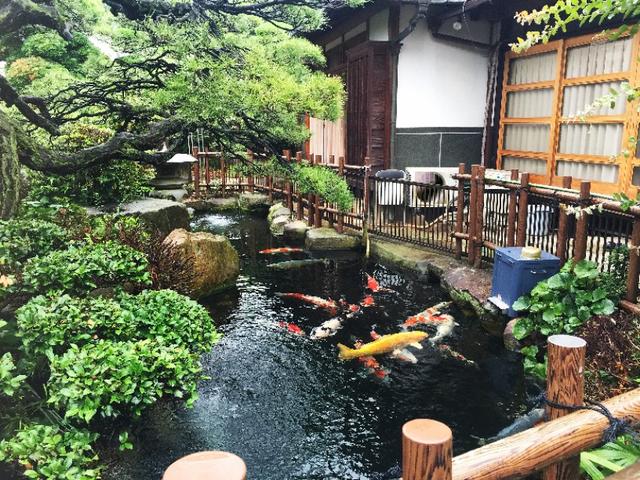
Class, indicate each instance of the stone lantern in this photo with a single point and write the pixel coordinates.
(172, 177)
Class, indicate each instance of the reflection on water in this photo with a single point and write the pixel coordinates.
(290, 408)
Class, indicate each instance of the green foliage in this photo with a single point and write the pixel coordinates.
(25, 71)
(531, 364)
(563, 302)
(48, 325)
(610, 458)
(615, 281)
(47, 452)
(83, 268)
(21, 239)
(110, 379)
(50, 46)
(9, 382)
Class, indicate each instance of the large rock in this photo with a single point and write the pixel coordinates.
(177, 194)
(295, 230)
(163, 215)
(255, 202)
(328, 239)
(277, 225)
(510, 341)
(216, 262)
(212, 205)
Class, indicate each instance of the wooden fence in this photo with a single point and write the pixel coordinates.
(470, 219)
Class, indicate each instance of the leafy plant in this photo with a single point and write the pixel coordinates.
(9, 383)
(48, 452)
(21, 239)
(84, 268)
(563, 302)
(48, 325)
(110, 379)
(610, 458)
(614, 281)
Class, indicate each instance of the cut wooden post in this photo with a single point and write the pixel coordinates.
(479, 219)
(288, 187)
(471, 221)
(634, 263)
(460, 211)
(582, 224)
(563, 227)
(565, 385)
(250, 180)
(512, 212)
(340, 227)
(223, 173)
(426, 450)
(523, 205)
(299, 204)
(207, 466)
(207, 171)
(367, 192)
(196, 172)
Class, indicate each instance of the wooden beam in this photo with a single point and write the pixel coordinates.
(426, 450)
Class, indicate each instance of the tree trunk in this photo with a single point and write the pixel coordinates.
(9, 169)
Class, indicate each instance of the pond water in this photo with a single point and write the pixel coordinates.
(290, 408)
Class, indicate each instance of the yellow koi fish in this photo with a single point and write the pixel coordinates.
(385, 344)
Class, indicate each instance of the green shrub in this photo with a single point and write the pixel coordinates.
(21, 239)
(51, 46)
(49, 325)
(110, 379)
(610, 458)
(563, 302)
(48, 452)
(84, 268)
(615, 281)
(9, 382)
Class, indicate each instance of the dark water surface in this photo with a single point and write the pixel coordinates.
(290, 408)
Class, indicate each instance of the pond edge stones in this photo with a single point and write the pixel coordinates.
(215, 261)
(327, 239)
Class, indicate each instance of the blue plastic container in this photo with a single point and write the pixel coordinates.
(514, 276)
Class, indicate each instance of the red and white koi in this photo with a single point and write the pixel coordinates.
(374, 286)
(326, 304)
(367, 301)
(430, 316)
(370, 363)
(447, 350)
(273, 251)
(327, 329)
(291, 328)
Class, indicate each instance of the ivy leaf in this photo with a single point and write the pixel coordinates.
(523, 303)
(522, 328)
(586, 269)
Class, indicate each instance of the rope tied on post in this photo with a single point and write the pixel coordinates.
(616, 428)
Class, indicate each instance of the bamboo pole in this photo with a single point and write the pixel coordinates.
(512, 212)
(532, 450)
(340, 227)
(288, 186)
(634, 264)
(563, 227)
(196, 172)
(479, 234)
(582, 224)
(426, 450)
(207, 171)
(299, 204)
(565, 385)
(207, 466)
(460, 212)
(473, 208)
(250, 180)
(523, 204)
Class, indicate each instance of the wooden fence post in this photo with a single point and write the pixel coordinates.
(330, 215)
(318, 200)
(523, 205)
(479, 219)
(512, 212)
(310, 198)
(460, 211)
(426, 450)
(196, 172)
(250, 180)
(473, 209)
(287, 186)
(367, 192)
(207, 465)
(207, 171)
(223, 173)
(634, 263)
(582, 224)
(563, 227)
(340, 227)
(565, 385)
(299, 204)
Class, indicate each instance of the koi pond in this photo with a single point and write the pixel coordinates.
(290, 407)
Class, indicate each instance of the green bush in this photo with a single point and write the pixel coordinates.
(51, 46)
(610, 458)
(9, 382)
(615, 281)
(49, 325)
(563, 302)
(84, 268)
(49, 453)
(21, 239)
(110, 379)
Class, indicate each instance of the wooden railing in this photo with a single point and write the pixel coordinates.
(551, 447)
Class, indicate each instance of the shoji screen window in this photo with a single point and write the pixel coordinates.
(527, 110)
(572, 139)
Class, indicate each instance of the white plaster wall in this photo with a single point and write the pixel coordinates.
(379, 26)
(440, 83)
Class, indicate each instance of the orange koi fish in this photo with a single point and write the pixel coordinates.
(374, 286)
(291, 328)
(430, 316)
(328, 305)
(370, 363)
(272, 251)
(368, 301)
